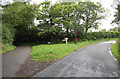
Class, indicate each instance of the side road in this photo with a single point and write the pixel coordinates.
(12, 60)
(91, 61)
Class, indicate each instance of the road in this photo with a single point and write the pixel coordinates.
(12, 60)
(91, 61)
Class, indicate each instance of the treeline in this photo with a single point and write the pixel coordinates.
(101, 35)
(59, 37)
(56, 22)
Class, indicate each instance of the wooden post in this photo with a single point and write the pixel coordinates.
(75, 26)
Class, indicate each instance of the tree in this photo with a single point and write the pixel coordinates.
(17, 19)
(67, 19)
(50, 20)
(89, 14)
(117, 14)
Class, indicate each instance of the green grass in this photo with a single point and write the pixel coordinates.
(114, 49)
(58, 51)
(7, 47)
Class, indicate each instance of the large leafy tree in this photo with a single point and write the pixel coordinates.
(49, 18)
(67, 19)
(17, 19)
(89, 14)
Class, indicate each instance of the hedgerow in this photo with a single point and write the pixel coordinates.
(100, 35)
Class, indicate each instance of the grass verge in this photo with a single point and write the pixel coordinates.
(58, 51)
(7, 47)
(115, 50)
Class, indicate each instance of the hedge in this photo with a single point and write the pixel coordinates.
(100, 35)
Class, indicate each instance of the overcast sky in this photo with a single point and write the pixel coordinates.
(106, 23)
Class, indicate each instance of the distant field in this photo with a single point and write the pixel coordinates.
(57, 51)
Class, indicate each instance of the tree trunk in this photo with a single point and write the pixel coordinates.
(67, 31)
(86, 30)
(51, 24)
(67, 27)
(86, 25)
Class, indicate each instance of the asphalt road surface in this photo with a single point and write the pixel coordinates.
(91, 61)
(12, 60)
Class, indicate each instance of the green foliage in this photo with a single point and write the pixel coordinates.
(117, 15)
(89, 13)
(17, 18)
(52, 30)
(17, 14)
(67, 19)
(55, 11)
(8, 33)
(116, 5)
(50, 20)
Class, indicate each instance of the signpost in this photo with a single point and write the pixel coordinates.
(65, 40)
